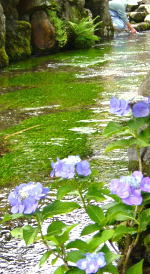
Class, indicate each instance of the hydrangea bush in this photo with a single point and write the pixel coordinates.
(123, 219)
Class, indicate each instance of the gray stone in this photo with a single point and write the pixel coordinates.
(147, 18)
(142, 26)
(144, 8)
(3, 56)
(137, 16)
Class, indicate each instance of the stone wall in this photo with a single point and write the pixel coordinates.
(31, 26)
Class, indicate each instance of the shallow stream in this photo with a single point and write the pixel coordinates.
(58, 105)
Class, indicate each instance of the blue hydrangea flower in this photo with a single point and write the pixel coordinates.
(141, 109)
(119, 106)
(128, 188)
(63, 170)
(120, 187)
(145, 184)
(24, 198)
(92, 262)
(67, 168)
(134, 198)
(83, 168)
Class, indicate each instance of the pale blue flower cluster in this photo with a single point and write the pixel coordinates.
(68, 168)
(122, 107)
(129, 188)
(25, 197)
(92, 262)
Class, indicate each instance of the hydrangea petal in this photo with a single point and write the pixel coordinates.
(140, 109)
(145, 184)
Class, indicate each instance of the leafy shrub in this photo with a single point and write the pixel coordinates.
(83, 32)
(60, 29)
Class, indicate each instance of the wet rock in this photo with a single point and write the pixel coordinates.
(137, 16)
(18, 38)
(3, 55)
(142, 26)
(10, 9)
(43, 33)
(144, 89)
(100, 8)
(147, 18)
(144, 8)
(28, 6)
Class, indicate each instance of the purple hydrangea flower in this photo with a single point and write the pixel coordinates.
(128, 188)
(68, 167)
(92, 262)
(134, 198)
(120, 188)
(63, 170)
(119, 106)
(83, 168)
(145, 184)
(24, 198)
(141, 109)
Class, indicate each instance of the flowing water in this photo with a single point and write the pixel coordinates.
(58, 106)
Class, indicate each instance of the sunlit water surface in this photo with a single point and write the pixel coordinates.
(120, 65)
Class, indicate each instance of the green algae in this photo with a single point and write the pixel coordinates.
(33, 142)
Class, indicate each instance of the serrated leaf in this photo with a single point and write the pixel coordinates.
(98, 240)
(64, 237)
(119, 212)
(90, 229)
(58, 207)
(62, 191)
(45, 257)
(60, 270)
(75, 255)
(109, 255)
(55, 227)
(17, 232)
(96, 214)
(120, 144)
(137, 268)
(95, 192)
(9, 217)
(113, 128)
(79, 244)
(54, 261)
(144, 219)
(29, 234)
(122, 230)
(75, 270)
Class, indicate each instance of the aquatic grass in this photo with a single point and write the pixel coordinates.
(48, 88)
(31, 152)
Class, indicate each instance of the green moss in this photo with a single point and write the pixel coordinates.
(3, 58)
(142, 26)
(18, 40)
(60, 28)
(57, 88)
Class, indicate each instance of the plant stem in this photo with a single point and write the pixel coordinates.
(139, 158)
(83, 201)
(133, 244)
(42, 236)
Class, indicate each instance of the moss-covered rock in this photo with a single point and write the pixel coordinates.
(142, 26)
(3, 58)
(18, 38)
(137, 16)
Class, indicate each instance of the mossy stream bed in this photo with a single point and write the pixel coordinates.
(58, 105)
